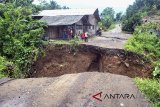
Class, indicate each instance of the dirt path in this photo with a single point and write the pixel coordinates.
(112, 39)
(72, 90)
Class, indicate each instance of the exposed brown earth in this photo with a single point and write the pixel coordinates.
(59, 61)
(71, 79)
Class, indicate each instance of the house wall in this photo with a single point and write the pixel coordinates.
(92, 29)
(79, 27)
(51, 32)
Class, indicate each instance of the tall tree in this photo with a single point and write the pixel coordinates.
(18, 2)
(119, 16)
(107, 17)
(108, 12)
(54, 5)
(51, 5)
(139, 9)
(23, 3)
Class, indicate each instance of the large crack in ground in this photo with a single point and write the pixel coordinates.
(59, 61)
(119, 38)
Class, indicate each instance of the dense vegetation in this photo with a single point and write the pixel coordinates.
(20, 38)
(137, 11)
(44, 5)
(20, 35)
(107, 18)
(118, 17)
(151, 88)
(148, 44)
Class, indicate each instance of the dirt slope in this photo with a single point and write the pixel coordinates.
(102, 54)
(87, 89)
(59, 61)
(71, 90)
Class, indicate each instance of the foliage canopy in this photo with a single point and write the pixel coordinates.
(20, 39)
(135, 12)
(107, 18)
(146, 43)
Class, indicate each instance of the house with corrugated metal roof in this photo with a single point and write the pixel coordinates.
(77, 20)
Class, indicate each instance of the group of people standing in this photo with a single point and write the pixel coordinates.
(68, 33)
(84, 36)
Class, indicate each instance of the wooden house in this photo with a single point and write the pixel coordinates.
(79, 20)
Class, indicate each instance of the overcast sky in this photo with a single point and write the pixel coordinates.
(117, 5)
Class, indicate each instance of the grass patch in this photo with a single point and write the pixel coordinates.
(5, 67)
(59, 42)
(56, 42)
(111, 27)
(63, 42)
(3, 75)
(151, 89)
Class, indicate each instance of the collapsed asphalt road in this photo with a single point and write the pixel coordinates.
(87, 89)
(91, 89)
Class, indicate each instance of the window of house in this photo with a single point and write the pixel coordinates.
(93, 27)
(79, 27)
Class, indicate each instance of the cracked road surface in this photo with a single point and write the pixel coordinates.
(76, 90)
(71, 90)
(112, 39)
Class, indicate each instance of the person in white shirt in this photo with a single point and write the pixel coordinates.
(86, 36)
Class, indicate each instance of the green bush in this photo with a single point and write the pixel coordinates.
(21, 38)
(151, 88)
(137, 11)
(144, 43)
(147, 44)
(74, 43)
(147, 27)
(156, 71)
(6, 67)
(107, 18)
(129, 24)
(112, 26)
(107, 21)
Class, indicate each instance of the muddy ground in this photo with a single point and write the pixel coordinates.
(60, 60)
